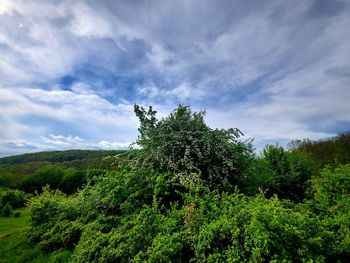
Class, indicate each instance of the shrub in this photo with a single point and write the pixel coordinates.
(182, 144)
(331, 200)
(15, 198)
(47, 175)
(54, 223)
(281, 173)
(72, 181)
(235, 228)
(17, 214)
(6, 210)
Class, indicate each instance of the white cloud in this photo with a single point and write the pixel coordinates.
(8, 7)
(82, 113)
(276, 69)
(57, 142)
(88, 23)
(184, 91)
(63, 141)
(113, 145)
(150, 90)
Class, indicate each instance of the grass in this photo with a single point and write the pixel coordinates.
(12, 225)
(14, 247)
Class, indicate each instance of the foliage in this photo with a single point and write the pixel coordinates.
(331, 151)
(72, 180)
(21, 171)
(282, 173)
(234, 228)
(6, 178)
(14, 247)
(15, 198)
(191, 194)
(48, 175)
(53, 221)
(208, 227)
(331, 200)
(57, 156)
(182, 144)
(332, 186)
(6, 210)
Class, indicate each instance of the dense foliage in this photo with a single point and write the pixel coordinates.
(10, 199)
(66, 176)
(331, 151)
(282, 173)
(182, 144)
(23, 171)
(120, 219)
(57, 156)
(194, 194)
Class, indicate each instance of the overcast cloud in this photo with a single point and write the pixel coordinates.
(70, 71)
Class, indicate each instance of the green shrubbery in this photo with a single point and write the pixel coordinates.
(10, 199)
(331, 151)
(331, 201)
(67, 180)
(28, 171)
(183, 145)
(194, 194)
(117, 220)
(282, 173)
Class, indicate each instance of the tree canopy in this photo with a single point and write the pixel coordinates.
(184, 145)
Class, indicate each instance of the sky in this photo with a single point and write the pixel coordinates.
(71, 71)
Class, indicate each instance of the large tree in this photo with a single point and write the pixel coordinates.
(184, 145)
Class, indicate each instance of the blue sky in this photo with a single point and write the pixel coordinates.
(70, 71)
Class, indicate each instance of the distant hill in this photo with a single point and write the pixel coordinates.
(31, 171)
(331, 151)
(58, 156)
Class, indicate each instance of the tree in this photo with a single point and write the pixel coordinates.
(47, 175)
(15, 198)
(72, 180)
(289, 173)
(182, 144)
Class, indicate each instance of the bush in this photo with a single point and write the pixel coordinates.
(47, 175)
(54, 223)
(182, 144)
(6, 210)
(281, 173)
(117, 219)
(331, 200)
(15, 198)
(234, 228)
(17, 214)
(72, 181)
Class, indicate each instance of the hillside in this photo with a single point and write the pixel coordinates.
(59, 169)
(330, 151)
(58, 156)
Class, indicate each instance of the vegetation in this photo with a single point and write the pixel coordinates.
(23, 171)
(57, 156)
(14, 247)
(331, 151)
(190, 194)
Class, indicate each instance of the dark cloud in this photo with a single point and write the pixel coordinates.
(326, 8)
(342, 72)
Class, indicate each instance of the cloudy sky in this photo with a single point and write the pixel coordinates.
(70, 71)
